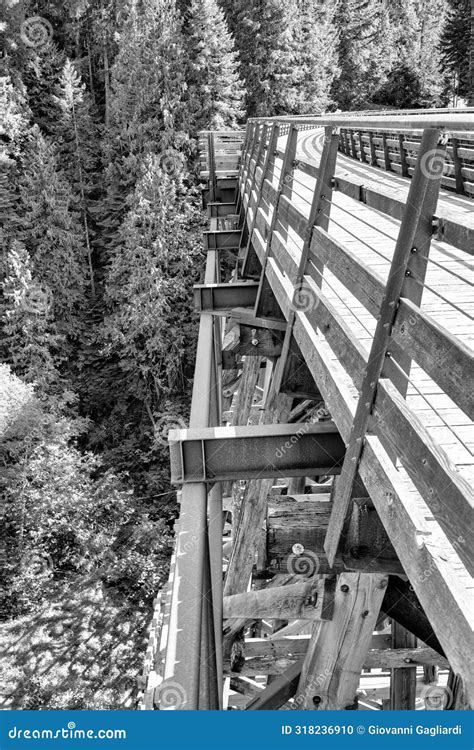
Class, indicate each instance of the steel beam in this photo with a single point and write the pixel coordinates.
(255, 452)
(216, 210)
(221, 298)
(225, 239)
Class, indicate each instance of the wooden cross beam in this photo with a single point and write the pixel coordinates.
(308, 600)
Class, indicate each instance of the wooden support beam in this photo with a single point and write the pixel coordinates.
(402, 678)
(307, 600)
(279, 691)
(296, 528)
(338, 649)
(400, 660)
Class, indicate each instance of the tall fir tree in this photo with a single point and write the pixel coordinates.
(150, 326)
(316, 39)
(147, 112)
(51, 233)
(455, 42)
(264, 34)
(215, 93)
(77, 138)
(31, 343)
(365, 44)
(415, 79)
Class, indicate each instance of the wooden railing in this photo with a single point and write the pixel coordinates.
(397, 152)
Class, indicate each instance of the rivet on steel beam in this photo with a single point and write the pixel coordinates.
(344, 588)
(316, 700)
(365, 613)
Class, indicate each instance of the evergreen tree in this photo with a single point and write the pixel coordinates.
(51, 234)
(365, 41)
(148, 287)
(265, 38)
(214, 89)
(31, 344)
(415, 80)
(316, 39)
(455, 45)
(147, 113)
(78, 148)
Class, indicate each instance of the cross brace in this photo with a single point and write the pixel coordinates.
(255, 452)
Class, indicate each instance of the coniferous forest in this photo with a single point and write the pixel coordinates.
(101, 104)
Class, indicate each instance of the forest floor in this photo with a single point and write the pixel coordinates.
(83, 652)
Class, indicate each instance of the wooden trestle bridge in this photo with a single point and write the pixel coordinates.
(325, 481)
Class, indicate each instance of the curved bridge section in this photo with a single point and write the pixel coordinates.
(326, 476)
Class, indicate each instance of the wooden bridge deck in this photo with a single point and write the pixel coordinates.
(353, 296)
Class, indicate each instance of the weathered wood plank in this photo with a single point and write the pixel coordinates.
(386, 659)
(336, 654)
(443, 356)
(440, 586)
(306, 600)
(444, 490)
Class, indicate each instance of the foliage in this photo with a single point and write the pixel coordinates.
(455, 44)
(214, 90)
(365, 42)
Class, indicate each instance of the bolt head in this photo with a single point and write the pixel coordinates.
(297, 549)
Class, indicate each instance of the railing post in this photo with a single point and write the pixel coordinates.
(373, 155)
(212, 167)
(457, 167)
(403, 156)
(363, 157)
(386, 153)
(421, 201)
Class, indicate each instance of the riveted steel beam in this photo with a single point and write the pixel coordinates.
(221, 298)
(257, 451)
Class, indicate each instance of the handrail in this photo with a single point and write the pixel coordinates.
(451, 120)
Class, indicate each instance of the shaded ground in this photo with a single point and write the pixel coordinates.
(85, 652)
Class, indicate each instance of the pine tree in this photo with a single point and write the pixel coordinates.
(51, 233)
(78, 148)
(264, 34)
(147, 112)
(415, 80)
(31, 344)
(150, 326)
(365, 41)
(316, 40)
(215, 92)
(455, 46)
